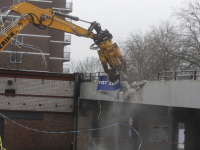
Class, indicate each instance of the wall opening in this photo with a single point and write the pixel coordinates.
(181, 136)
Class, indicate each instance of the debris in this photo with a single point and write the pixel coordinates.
(128, 90)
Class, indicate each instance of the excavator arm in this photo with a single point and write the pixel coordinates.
(109, 53)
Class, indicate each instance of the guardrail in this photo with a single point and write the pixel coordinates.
(179, 75)
(88, 77)
(162, 76)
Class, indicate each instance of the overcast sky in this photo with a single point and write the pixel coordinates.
(120, 17)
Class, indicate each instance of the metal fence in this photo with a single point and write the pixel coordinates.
(179, 75)
(162, 76)
(88, 77)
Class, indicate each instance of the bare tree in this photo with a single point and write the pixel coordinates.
(166, 47)
(88, 65)
(187, 36)
(73, 66)
(166, 42)
(146, 55)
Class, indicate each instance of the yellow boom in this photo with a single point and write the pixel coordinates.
(109, 52)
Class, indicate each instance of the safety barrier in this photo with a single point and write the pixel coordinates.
(88, 77)
(178, 75)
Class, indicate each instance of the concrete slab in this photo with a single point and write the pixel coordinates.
(182, 93)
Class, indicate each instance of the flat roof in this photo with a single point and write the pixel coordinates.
(36, 75)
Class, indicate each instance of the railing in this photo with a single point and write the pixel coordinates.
(66, 53)
(66, 67)
(92, 76)
(18, 1)
(162, 76)
(67, 37)
(69, 6)
(179, 75)
(66, 70)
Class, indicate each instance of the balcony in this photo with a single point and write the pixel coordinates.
(69, 5)
(68, 8)
(66, 41)
(67, 38)
(18, 1)
(66, 54)
(66, 67)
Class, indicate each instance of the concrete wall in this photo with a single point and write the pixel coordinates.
(163, 93)
(143, 118)
(170, 93)
(115, 137)
(107, 118)
(145, 121)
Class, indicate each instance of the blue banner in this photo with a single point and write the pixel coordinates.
(104, 84)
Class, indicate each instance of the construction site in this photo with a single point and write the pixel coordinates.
(48, 108)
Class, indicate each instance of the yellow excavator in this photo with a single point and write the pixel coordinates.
(109, 52)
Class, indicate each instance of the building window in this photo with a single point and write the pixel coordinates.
(18, 40)
(17, 1)
(66, 53)
(15, 57)
(66, 67)
(69, 5)
(181, 136)
(67, 37)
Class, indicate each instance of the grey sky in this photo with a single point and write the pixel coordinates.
(119, 17)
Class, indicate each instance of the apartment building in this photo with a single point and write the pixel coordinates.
(37, 49)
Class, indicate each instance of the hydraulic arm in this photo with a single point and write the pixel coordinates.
(109, 53)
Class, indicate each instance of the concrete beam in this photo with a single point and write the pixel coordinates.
(184, 93)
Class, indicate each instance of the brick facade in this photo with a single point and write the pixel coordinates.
(42, 101)
(29, 89)
(18, 138)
